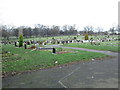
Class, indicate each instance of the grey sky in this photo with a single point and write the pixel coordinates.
(98, 13)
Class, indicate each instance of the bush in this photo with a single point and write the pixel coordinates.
(86, 37)
(20, 40)
(53, 38)
(91, 38)
(74, 38)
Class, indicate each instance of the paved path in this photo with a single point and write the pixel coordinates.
(92, 74)
(85, 49)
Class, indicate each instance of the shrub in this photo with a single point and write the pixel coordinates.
(53, 38)
(91, 38)
(74, 38)
(20, 40)
(86, 37)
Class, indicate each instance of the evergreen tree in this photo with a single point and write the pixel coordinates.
(20, 40)
(86, 37)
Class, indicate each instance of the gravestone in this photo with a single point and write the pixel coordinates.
(63, 42)
(66, 42)
(9, 42)
(28, 43)
(54, 50)
(103, 40)
(45, 43)
(82, 41)
(15, 44)
(31, 41)
(58, 42)
(37, 45)
(70, 41)
(25, 46)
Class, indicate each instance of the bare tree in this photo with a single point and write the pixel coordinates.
(99, 30)
(112, 30)
(55, 30)
(5, 32)
(89, 30)
(36, 31)
(72, 30)
(65, 29)
(15, 32)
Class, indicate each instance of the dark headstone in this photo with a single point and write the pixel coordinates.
(78, 41)
(70, 41)
(102, 40)
(28, 43)
(63, 42)
(25, 46)
(58, 42)
(31, 42)
(9, 42)
(54, 50)
(45, 43)
(15, 44)
(66, 41)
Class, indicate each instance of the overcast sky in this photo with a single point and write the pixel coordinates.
(98, 13)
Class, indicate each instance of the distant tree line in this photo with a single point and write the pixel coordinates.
(47, 31)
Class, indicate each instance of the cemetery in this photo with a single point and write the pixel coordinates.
(27, 55)
(59, 44)
(33, 55)
(23, 54)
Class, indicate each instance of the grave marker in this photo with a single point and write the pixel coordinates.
(25, 46)
(54, 50)
(15, 44)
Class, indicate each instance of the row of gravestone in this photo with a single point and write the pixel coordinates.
(29, 42)
(38, 48)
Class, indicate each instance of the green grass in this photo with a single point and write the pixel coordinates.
(107, 46)
(20, 59)
(68, 37)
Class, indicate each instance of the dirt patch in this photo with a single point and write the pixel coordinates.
(16, 55)
(62, 52)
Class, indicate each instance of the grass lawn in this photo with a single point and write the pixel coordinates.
(107, 46)
(20, 59)
(68, 37)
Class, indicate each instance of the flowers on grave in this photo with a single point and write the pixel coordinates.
(93, 59)
(56, 62)
(32, 47)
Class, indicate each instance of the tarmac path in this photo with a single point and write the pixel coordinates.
(91, 74)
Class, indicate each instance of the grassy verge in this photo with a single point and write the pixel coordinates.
(20, 59)
(107, 46)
